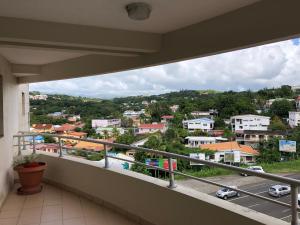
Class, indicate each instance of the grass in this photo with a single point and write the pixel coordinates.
(292, 166)
(208, 172)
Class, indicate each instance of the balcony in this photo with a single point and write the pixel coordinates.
(141, 199)
(55, 206)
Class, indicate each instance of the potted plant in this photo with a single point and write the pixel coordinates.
(30, 174)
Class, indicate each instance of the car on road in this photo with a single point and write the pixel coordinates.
(226, 193)
(254, 168)
(279, 190)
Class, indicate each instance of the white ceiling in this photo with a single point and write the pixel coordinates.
(167, 15)
(36, 56)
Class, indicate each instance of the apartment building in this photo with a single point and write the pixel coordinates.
(152, 128)
(204, 124)
(196, 141)
(241, 123)
(106, 123)
(294, 119)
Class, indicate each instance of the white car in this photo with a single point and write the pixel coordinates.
(279, 190)
(254, 168)
(226, 193)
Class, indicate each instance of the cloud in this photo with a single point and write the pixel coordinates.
(269, 65)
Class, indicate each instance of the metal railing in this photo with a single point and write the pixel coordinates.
(294, 183)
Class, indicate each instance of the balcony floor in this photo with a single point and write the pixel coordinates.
(54, 206)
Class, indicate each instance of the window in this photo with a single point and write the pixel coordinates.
(1, 107)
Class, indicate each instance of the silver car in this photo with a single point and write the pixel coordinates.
(279, 190)
(226, 193)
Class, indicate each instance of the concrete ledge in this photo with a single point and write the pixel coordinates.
(145, 199)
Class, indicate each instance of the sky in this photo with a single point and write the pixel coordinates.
(254, 68)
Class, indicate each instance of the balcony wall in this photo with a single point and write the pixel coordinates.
(11, 123)
(147, 199)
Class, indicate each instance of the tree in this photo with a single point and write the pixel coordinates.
(281, 108)
(153, 142)
(126, 122)
(269, 151)
(77, 129)
(277, 124)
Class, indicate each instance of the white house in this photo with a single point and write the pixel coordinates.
(38, 97)
(294, 119)
(106, 123)
(152, 128)
(133, 114)
(196, 141)
(204, 124)
(249, 122)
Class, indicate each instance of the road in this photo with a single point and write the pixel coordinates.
(263, 206)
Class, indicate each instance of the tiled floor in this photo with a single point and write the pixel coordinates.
(56, 207)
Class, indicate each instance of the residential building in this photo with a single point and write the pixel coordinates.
(38, 97)
(294, 119)
(254, 137)
(57, 115)
(74, 118)
(297, 101)
(198, 141)
(64, 128)
(109, 131)
(249, 122)
(84, 145)
(204, 124)
(247, 153)
(42, 128)
(152, 128)
(106, 123)
(209, 114)
(174, 108)
(50, 147)
(216, 133)
(74, 134)
(133, 114)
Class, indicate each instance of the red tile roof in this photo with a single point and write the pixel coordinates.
(167, 117)
(65, 127)
(231, 145)
(152, 126)
(42, 126)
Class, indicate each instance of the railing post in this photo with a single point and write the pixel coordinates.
(19, 145)
(106, 157)
(33, 144)
(171, 174)
(60, 147)
(294, 205)
(23, 140)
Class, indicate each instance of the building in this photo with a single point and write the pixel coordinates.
(204, 124)
(38, 97)
(247, 153)
(109, 131)
(209, 114)
(196, 141)
(174, 108)
(254, 137)
(74, 118)
(133, 114)
(294, 119)
(106, 123)
(57, 115)
(297, 102)
(96, 147)
(249, 122)
(42, 128)
(52, 148)
(64, 128)
(152, 128)
(81, 135)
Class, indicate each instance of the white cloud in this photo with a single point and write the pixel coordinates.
(254, 68)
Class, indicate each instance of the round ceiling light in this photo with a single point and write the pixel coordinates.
(138, 10)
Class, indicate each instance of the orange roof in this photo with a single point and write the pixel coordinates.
(231, 145)
(152, 126)
(77, 134)
(65, 127)
(92, 146)
(42, 126)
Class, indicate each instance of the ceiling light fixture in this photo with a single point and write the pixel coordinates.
(138, 10)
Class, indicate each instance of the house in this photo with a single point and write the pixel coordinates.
(42, 128)
(75, 135)
(204, 124)
(74, 119)
(65, 128)
(174, 108)
(166, 118)
(196, 141)
(52, 148)
(109, 131)
(133, 114)
(209, 114)
(247, 153)
(38, 97)
(152, 128)
(96, 147)
(57, 115)
(254, 137)
(216, 133)
(294, 119)
(249, 122)
(106, 123)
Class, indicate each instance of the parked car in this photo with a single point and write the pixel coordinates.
(254, 168)
(226, 193)
(279, 190)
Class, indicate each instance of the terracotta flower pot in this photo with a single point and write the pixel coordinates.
(30, 176)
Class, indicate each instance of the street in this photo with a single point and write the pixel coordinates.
(260, 205)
